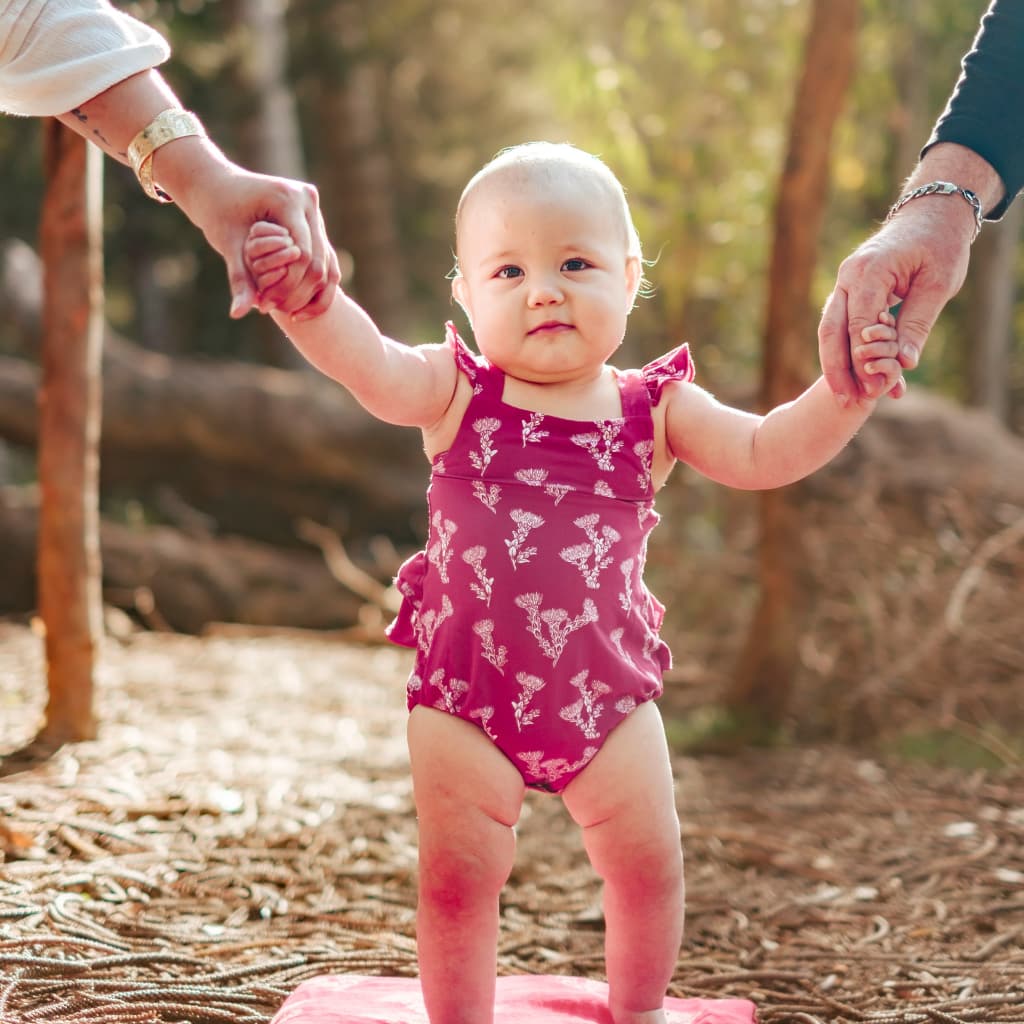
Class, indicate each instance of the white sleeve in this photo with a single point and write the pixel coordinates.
(56, 54)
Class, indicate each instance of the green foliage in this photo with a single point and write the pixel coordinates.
(987, 749)
(687, 102)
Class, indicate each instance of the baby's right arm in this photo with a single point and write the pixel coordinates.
(398, 383)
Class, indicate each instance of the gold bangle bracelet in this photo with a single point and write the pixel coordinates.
(167, 126)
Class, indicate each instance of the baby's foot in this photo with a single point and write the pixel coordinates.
(641, 1017)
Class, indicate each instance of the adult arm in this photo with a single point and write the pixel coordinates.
(221, 198)
(91, 65)
(920, 256)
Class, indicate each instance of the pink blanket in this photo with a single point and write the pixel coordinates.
(521, 999)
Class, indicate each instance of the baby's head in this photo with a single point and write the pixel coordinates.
(546, 248)
(547, 166)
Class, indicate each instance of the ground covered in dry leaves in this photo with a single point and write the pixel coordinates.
(245, 822)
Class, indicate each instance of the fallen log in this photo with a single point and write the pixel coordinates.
(255, 447)
(169, 579)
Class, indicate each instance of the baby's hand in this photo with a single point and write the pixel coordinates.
(875, 359)
(269, 249)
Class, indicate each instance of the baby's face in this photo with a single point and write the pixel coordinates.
(545, 276)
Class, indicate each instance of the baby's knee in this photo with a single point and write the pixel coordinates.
(457, 878)
(649, 869)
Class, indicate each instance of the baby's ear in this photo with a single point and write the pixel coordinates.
(461, 294)
(634, 277)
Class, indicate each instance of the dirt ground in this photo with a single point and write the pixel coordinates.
(245, 822)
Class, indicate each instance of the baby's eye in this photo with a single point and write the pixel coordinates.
(507, 273)
(575, 263)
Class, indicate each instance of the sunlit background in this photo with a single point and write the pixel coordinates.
(390, 107)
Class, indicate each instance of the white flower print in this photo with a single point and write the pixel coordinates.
(616, 636)
(484, 716)
(440, 552)
(603, 445)
(488, 496)
(557, 491)
(414, 685)
(410, 593)
(644, 450)
(557, 622)
(528, 686)
(554, 768)
(591, 559)
(439, 466)
(626, 705)
(497, 656)
(525, 523)
(474, 557)
(626, 596)
(533, 477)
(588, 709)
(645, 512)
(531, 435)
(604, 489)
(650, 645)
(452, 692)
(485, 428)
(427, 623)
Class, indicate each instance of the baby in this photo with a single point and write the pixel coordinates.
(538, 655)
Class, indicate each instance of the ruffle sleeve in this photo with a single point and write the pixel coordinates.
(464, 358)
(674, 365)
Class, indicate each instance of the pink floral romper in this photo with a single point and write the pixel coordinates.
(527, 607)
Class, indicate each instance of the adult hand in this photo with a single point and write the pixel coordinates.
(224, 200)
(918, 259)
(224, 207)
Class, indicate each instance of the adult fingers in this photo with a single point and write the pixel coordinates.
(243, 290)
(917, 316)
(834, 348)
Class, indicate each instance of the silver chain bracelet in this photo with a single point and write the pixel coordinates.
(941, 188)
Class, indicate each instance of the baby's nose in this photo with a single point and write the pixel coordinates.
(545, 291)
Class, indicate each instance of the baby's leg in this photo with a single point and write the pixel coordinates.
(625, 803)
(468, 797)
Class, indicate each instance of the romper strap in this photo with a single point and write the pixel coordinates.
(633, 391)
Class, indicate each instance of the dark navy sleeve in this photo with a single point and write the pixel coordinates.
(986, 110)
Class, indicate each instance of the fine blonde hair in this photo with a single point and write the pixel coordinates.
(532, 161)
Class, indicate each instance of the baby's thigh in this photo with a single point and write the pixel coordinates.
(459, 776)
(624, 800)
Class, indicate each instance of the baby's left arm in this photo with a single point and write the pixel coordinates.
(752, 452)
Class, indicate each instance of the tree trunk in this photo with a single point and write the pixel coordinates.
(993, 294)
(355, 166)
(69, 424)
(271, 138)
(764, 677)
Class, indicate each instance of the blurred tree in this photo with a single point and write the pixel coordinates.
(992, 296)
(269, 133)
(345, 76)
(69, 426)
(763, 681)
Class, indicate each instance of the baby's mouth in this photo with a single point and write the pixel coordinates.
(550, 327)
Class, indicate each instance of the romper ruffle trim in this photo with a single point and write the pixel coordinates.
(465, 360)
(674, 365)
(412, 572)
